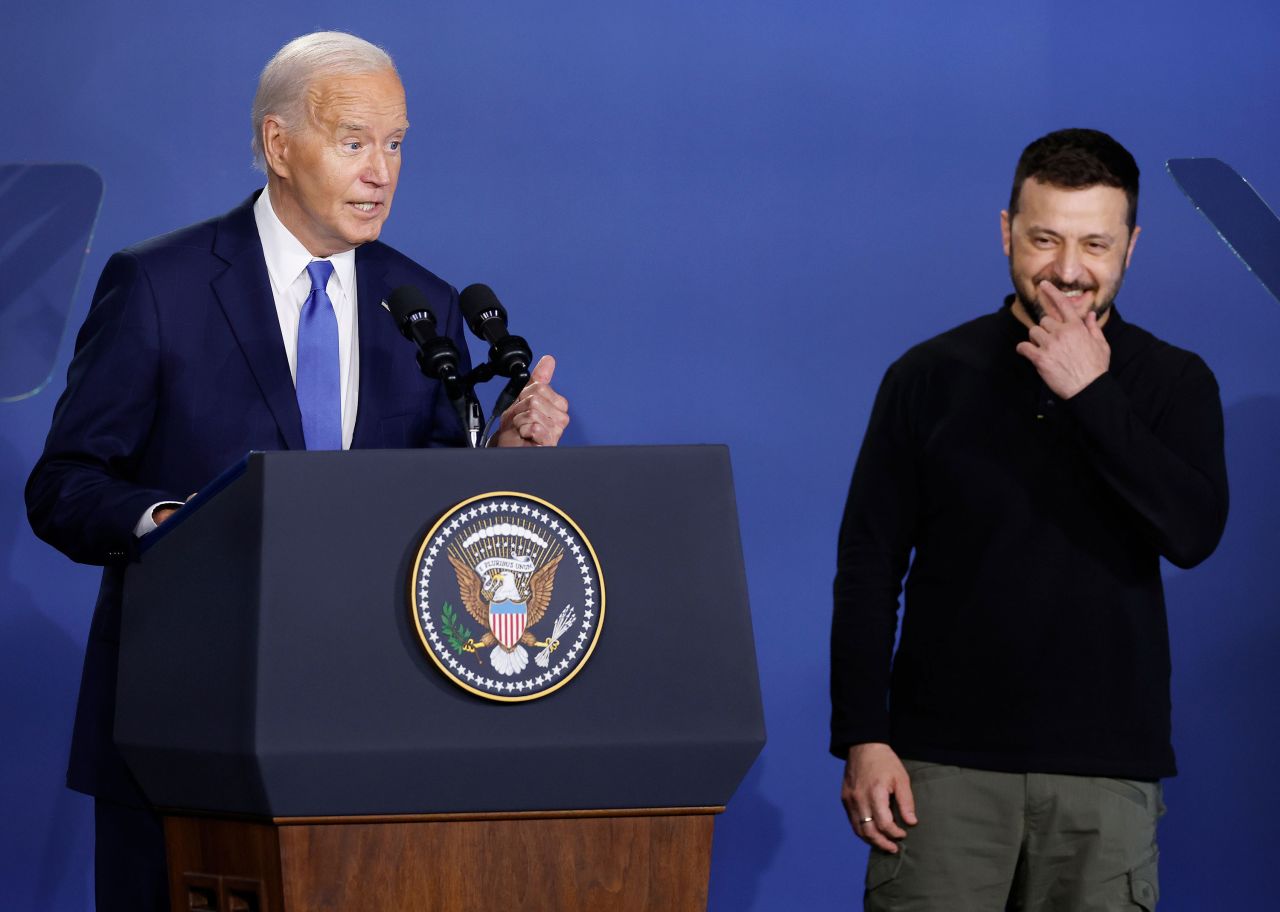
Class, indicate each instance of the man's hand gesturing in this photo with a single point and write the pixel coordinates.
(540, 414)
(1068, 351)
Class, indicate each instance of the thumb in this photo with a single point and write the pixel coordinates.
(543, 370)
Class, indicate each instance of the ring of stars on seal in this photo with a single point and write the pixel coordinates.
(507, 596)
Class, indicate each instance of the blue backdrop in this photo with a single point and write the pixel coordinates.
(726, 219)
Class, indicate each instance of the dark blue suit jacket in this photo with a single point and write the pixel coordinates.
(178, 371)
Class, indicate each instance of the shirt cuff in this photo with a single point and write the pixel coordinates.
(147, 523)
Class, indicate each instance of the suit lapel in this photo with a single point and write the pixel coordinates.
(378, 340)
(244, 292)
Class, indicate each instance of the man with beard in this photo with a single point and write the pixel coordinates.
(1039, 461)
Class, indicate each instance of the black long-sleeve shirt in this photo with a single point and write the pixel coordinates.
(1034, 636)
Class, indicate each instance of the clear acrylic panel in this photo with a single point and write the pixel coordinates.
(1240, 216)
(47, 214)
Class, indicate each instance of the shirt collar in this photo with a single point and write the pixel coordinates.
(287, 258)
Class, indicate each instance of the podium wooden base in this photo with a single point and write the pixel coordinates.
(602, 861)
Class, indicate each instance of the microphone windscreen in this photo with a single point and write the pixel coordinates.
(479, 304)
(406, 301)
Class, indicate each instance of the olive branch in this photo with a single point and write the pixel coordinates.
(454, 631)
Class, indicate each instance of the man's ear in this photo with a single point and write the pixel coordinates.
(1133, 240)
(1006, 232)
(275, 146)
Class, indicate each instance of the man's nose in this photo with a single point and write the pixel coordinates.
(1067, 264)
(378, 171)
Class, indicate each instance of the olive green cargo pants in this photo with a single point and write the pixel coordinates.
(991, 842)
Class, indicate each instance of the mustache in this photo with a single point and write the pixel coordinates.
(1068, 286)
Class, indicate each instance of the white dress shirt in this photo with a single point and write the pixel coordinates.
(287, 263)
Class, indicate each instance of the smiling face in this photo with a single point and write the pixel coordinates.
(1079, 240)
(332, 178)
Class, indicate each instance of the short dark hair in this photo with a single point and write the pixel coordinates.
(1075, 159)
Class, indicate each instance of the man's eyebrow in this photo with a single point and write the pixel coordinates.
(354, 127)
(1092, 236)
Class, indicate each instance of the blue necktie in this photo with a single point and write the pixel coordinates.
(319, 379)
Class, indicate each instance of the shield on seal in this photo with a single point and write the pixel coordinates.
(506, 620)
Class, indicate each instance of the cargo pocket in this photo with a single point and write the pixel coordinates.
(1144, 884)
(882, 867)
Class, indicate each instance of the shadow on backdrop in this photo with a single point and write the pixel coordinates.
(747, 836)
(47, 831)
(47, 214)
(1224, 621)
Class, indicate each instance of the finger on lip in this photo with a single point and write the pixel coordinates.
(1045, 284)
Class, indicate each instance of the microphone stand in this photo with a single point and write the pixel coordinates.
(437, 358)
(510, 392)
(483, 373)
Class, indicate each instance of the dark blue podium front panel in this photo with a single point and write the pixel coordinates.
(271, 664)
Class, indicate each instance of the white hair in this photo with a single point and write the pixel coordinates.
(282, 87)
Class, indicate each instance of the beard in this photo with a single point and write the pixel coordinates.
(1030, 297)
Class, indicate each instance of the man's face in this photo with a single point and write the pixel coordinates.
(1079, 240)
(333, 177)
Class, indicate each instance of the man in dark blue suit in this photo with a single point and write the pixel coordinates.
(189, 356)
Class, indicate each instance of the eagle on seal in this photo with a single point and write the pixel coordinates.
(508, 609)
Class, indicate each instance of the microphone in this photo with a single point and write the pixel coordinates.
(509, 355)
(437, 355)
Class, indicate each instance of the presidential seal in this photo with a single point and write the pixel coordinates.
(507, 596)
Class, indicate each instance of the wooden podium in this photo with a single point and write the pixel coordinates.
(277, 705)
(606, 861)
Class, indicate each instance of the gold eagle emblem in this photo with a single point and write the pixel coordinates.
(507, 591)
